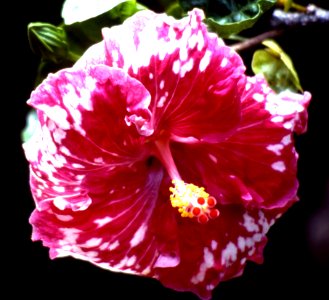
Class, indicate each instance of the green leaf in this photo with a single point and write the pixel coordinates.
(48, 41)
(228, 17)
(174, 9)
(277, 67)
(61, 46)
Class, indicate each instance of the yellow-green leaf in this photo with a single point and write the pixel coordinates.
(276, 66)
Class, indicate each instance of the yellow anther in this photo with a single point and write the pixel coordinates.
(193, 201)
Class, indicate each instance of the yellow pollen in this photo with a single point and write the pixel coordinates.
(193, 201)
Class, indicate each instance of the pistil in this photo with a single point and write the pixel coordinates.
(191, 200)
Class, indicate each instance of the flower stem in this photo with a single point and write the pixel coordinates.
(251, 42)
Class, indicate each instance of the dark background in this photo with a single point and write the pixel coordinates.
(297, 254)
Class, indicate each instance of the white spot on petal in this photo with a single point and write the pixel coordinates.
(249, 223)
(248, 86)
(60, 203)
(200, 39)
(188, 66)
(192, 41)
(257, 237)
(214, 245)
(224, 62)
(104, 246)
(146, 271)
(93, 242)
(161, 101)
(286, 140)
(166, 261)
(101, 222)
(208, 258)
(229, 254)
(138, 236)
(56, 113)
(275, 148)
(64, 218)
(70, 236)
(208, 263)
(59, 189)
(161, 85)
(258, 97)
(288, 125)
(80, 176)
(241, 243)
(77, 166)
(277, 119)
(279, 166)
(205, 61)
(176, 67)
(131, 261)
(98, 160)
(183, 53)
(114, 245)
(65, 150)
(93, 255)
(59, 134)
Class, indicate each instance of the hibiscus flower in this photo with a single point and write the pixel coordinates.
(156, 155)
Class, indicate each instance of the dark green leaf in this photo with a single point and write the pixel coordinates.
(228, 17)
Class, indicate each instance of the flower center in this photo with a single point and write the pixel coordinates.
(193, 201)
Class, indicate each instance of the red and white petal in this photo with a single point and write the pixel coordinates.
(186, 70)
(93, 120)
(100, 103)
(55, 178)
(217, 251)
(261, 157)
(257, 165)
(120, 230)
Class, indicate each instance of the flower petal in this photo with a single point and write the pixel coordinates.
(217, 251)
(185, 69)
(96, 191)
(257, 165)
(100, 95)
(85, 120)
(119, 231)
